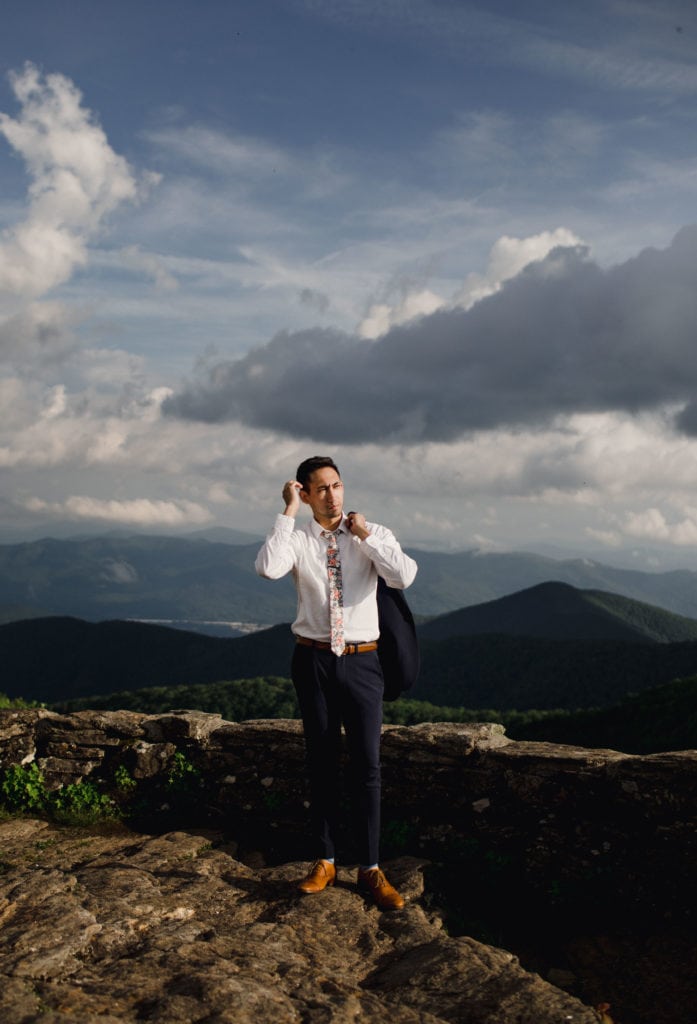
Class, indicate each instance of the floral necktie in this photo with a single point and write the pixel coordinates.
(336, 594)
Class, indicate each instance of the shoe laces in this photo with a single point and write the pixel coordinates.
(375, 877)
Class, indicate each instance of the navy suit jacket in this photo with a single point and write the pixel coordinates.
(398, 648)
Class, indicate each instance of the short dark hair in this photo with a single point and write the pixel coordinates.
(308, 467)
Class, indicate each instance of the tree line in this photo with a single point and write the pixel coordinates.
(659, 719)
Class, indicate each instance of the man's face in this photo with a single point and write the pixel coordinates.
(325, 496)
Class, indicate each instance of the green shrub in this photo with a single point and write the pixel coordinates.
(81, 803)
(23, 789)
(123, 780)
(183, 776)
(17, 702)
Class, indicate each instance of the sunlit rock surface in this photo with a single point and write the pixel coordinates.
(124, 927)
(580, 861)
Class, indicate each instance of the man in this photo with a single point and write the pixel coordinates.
(335, 560)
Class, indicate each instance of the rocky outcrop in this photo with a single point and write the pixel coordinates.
(569, 816)
(124, 927)
(580, 861)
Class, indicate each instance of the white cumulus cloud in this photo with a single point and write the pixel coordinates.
(508, 257)
(76, 181)
(654, 526)
(381, 316)
(134, 511)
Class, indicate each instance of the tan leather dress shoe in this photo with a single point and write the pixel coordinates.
(373, 883)
(321, 874)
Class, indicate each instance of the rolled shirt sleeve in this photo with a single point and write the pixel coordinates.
(277, 555)
(382, 547)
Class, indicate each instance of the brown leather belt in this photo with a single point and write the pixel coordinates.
(323, 645)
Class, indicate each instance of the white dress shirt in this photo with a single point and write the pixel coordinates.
(303, 551)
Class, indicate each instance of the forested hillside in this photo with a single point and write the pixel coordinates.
(54, 659)
(559, 611)
(532, 672)
(663, 718)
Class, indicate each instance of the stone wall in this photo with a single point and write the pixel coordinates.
(552, 826)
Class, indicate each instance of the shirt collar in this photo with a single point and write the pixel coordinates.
(318, 530)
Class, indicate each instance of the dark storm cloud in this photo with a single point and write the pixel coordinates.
(564, 336)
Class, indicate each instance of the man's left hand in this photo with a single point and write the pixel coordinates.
(356, 524)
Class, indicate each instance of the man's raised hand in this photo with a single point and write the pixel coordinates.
(291, 496)
(356, 524)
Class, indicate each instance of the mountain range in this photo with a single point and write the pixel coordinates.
(550, 646)
(199, 579)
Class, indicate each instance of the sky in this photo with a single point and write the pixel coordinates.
(451, 244)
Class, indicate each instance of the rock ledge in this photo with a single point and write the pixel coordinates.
(125, 927)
